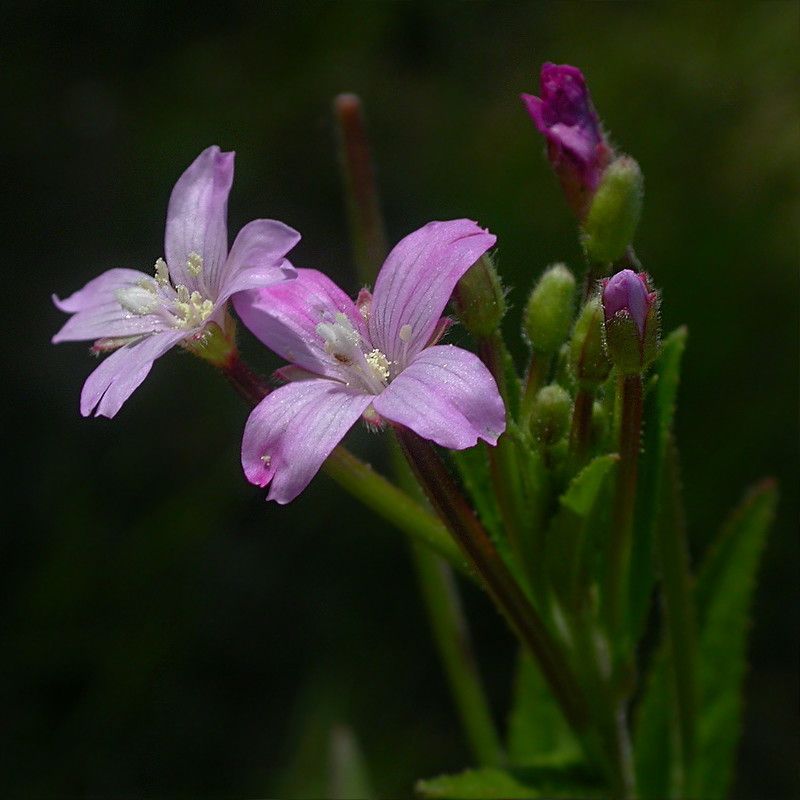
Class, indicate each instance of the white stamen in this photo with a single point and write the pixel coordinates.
(190, 310)
(194, 264)
(266, 458)
(162, 273)
(379, 364)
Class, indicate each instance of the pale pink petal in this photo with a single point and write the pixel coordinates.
(197, 219)
(293, 430)
(98, 314)
(260, 248)
(118, 375)
(416, 282)
(99, 290)
(447, 395)
(285, 317)
(256, 278)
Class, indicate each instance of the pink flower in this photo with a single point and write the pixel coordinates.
(140, 316)
(377, 357)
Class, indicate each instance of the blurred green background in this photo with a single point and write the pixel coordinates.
(165, 632)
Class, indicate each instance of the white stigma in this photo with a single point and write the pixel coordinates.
(139, 300)
(194, 264)
(342, 340)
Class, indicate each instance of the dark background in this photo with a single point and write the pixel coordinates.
(165, 632)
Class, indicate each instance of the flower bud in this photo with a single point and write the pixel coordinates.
(576, 146)
(614, 212)
(551, 414)
(549, 310)
(479, 298)
(630, 312)
(588, 360)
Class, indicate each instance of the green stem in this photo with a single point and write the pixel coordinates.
(446, 498)
(359, 479)
(581, 429)
(619, 553)
(363, 204)
(453, 641)
(679, 613)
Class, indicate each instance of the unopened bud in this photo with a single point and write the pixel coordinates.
(614, 212)
(551, 413)
(549, 310)
(576, 145)
(479, 298)
(588, 360)
(631, 321)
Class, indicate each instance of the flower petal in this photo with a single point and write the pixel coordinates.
(285, 317)
(97, 313)
(118, 375)
(416, 282)
(447, 395)
(257, 258)
(197, 219)
(293, 430)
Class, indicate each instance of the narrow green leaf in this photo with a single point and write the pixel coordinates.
(659, 412)
(515, 784)
(566, 539)
(724, 596)
(536, 727)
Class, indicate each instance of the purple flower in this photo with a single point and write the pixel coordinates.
(140, 316)
(627, 292)
(576, 146)
(377, 358)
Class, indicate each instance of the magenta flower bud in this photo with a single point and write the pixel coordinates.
(631, 321)
(576, 145)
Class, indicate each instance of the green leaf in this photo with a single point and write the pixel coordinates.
(566, 540)
(536, 726)
(515, 784)
(659, 412)
(724, 595)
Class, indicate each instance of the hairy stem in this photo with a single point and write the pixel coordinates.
(361, 193)
(446, 498)
(581, 428)
(619, 553)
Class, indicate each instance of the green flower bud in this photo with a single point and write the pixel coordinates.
(614, 214)
(549, 310)
(588, 359)
(479, 298)
(551, 414)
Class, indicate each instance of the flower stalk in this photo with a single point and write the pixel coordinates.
(470, 535)
(619, 551)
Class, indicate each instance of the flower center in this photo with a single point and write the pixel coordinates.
(181, 308)
(344, 343)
